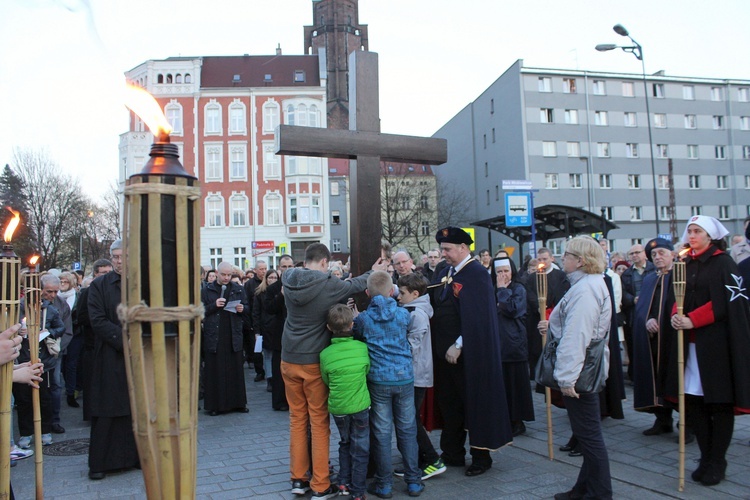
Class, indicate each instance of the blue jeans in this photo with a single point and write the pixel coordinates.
(394, 404)
(354, 450)
(594, 480)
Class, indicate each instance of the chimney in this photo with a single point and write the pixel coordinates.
(278, 50)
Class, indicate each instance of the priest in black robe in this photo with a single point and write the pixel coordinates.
(467, 361)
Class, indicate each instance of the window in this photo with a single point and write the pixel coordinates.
(634, 181)
(605, 181)
(576, 181)
(688, 92)
(690, 121)
(716, 94)
(636, 213)
(238, 208)
(743, 94)
(694, 181)
(335, 217)
(238, 163)
(744, 122)
(493, 135)
(636, 241)
(659, 90)
(237, 119)
(273, 210)
(720, 152)
(631, 150)
(405, 203)
(696, 210)
(424, 202)
(571, 116)
(630, 119)
(545, 115)
(600, 118)
(747, 182)
(574, 149)
(662, 151)
(215, 257)
(214, 211)
(492, 106)
(271, 162)
(745, 152)
(485, 140)
(660, 120)
(692, 151)
(213, 119)
(721, 182)
(486, 169)
(628, 89)
(602, 149)
(213, 163)
(550, 181)
(664, 212)
(299, 76)
(723, 212)
(609, 213)
(304, 209)
(599, 87)
(240, 256)
(270, 116)
(718, 122)
(407, 228)
(663, 182)
(334, 188)
(424, 228)
(335, 245)
(303, 165)
(549, 148)
(174, 117)
(545, 84)
(569, 85)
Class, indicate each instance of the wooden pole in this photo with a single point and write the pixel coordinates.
(678, 281)
(541, 291)
(33, 306)
(10, 269)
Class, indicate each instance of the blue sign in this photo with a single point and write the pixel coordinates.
(76, 266)
(666, 236)
(518, 209)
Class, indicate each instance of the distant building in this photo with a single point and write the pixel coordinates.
(224, 111)
(581, 137)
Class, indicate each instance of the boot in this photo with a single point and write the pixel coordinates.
(659, 427)
(715, 472)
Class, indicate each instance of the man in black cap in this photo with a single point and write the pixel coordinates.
(468, 366)
(652, 334)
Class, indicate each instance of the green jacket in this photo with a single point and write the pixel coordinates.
(344, 366)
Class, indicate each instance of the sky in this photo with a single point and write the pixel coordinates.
(62, 61)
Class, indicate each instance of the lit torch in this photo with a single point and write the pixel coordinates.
(678, 281)
(161, 310)
(33, 304)
(541, 292)
(10, 302)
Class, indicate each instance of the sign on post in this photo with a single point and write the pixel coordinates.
(471, 232)
(517, 209)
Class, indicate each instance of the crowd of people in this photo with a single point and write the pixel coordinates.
(454, 342)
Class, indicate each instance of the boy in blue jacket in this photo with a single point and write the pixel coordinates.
(383, 327)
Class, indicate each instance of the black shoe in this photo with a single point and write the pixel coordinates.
(58, 429)
(281, 408)
(72, 402)
(658, 428)
(259, 377)
(477, 469)
(242, 410)
(567, 447)
(96, 476)
(269, 386)
(713, 475)
(332, 491)
(697, 474)
(300, 487)
(518, 428)
(575, 452)
(213, 413)
(568, 495)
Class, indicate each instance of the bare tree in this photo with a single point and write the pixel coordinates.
(407, 200)
(454, 205)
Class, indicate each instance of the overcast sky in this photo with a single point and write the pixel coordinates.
(62, 61)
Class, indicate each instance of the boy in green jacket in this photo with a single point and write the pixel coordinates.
(344, 366)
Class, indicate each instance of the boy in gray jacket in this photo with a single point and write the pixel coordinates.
(412, 295)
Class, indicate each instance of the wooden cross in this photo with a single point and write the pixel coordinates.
(367, 147)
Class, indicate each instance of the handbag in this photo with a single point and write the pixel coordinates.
(53, 346)
(592, 378)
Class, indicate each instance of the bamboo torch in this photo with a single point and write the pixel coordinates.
(541, 292)
(10, 301)
(678, 281)
(33, 326)
(161, 310)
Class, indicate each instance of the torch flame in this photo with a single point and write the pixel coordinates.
(145, 106)
(33, 260)
(12, 225)
(540, 267)
(683, 252)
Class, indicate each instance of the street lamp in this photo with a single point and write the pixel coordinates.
(637, 50)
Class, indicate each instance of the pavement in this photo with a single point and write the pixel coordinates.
(247, 456)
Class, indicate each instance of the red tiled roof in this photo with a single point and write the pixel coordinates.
(393, 168)
(219, 71)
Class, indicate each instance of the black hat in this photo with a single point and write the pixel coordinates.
(455, 235)
(657, 243)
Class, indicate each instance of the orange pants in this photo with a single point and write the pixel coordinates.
(308, 404)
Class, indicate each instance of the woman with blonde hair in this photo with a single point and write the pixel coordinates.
(580, 320)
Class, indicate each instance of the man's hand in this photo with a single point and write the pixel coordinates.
(652, 326)
(682, 322)
(569, 391)
(10, 347)
(452, 355)
(542, 327)
(221, 302)
(380, 265)
(240, 308)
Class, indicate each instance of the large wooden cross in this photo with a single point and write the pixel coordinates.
(366, 147)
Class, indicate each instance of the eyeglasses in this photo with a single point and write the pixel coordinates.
(571, 254)
(64, 281)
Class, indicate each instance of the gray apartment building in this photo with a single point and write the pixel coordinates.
(582, 139)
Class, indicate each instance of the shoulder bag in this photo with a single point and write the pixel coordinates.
(593, 377)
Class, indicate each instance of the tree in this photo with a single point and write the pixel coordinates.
(12, 195)
(454, 205)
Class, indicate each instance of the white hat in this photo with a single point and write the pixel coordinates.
(713, 227)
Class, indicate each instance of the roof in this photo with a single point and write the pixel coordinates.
(394, 168)
(552, 221)
(220, 71)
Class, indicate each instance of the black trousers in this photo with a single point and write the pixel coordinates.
(22, 394)
(594, 480)
(713, 425)
(427, 453)
(278, 389)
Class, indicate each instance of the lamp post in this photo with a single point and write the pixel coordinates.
(637, 50)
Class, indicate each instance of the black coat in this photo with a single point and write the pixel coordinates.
(511, 318)
(109, 383)
(628, 291)
(209, 295)
(269, 314)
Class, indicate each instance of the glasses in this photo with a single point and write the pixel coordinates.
(64, 281)
(116, 257)
(571, 254)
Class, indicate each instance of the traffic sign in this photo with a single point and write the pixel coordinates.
(509, 184)
(517, 209)
(76, 266)
(263, 245)
(470, 231)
